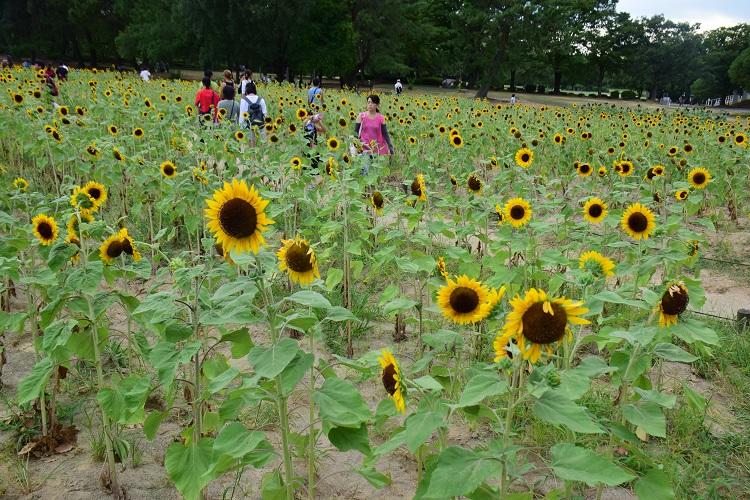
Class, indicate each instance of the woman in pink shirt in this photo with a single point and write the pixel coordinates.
(371, 129)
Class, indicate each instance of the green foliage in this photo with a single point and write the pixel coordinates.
(739, 70)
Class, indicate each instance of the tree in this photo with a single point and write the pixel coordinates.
(739, 71)
(610, 39)
(721, 47)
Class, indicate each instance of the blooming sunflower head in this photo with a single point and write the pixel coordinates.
(333, 143)
(45, 229)
(295, 163)
(20, 184)
(673, 302)
(392, 381)
(456, 141)
(297, 258)
(517, 212)
(596, 263)
(699, 177)
(168, 169)
(584, 170)
(537, 322)
(418, 188)
(377, 202)
(236, 216)
(638, 221)
(474, 184)
(681, 194)
(97, 192)
(466, 300)
(524, 157)
(594, 210)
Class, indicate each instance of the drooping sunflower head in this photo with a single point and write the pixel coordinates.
(237, 218)
(517, 212)
(391, 376)
(537, 321)
(524, 157)
(82, 200)
(168, 169)
(454, 181)
(602, 171)
(20, 184)
(72, 239)
(595, 210)
(297, 258)
(474, 184)
(673, 302)
(418, 188)
(45, 229)
(699, 177)
(638, 221)
(128, 245)
(72, 227)
(681, 194)
(466, 300)
(377, 202)
(500, 214)
(442, 268)
(596, 263)
(97, 192)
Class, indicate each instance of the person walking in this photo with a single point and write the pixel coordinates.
(372, 131)
(247, 77)
(253, 112)
(230, 107)
(206, 99)
(145, 74)
(228, 80)
(398, 87)
(315, 94)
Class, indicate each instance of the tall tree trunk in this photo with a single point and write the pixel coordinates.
(92, 48)
(492, 71)
(513, 80)
(600, 80)
(558, 81)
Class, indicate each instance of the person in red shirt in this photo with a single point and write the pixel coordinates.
(206, 99)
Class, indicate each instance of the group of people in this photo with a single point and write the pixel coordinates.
(218, 103)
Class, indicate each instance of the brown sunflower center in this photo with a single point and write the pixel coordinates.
(114, 249)
(699, 178)
(474, 183)
(95, 193)
(464, 300)
(525, 157)
(637, 222)
(389, 379)
(517, 212)
(238, 218)
(674, 303)
(169, 170)
(298, 259)
(739, 139)
(416, 189)
(45, 230)
(377, 199)
(596, 210)
(542, 327)
(584, 169)
(127, 247)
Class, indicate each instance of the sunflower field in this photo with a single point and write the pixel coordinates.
(488, 313)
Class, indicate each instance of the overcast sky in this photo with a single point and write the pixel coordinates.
(711, 14)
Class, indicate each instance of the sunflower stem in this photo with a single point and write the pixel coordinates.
(313, 436)
(34, 327)
(514, 386)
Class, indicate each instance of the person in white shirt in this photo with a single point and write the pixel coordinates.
(398, 87)
(253, 112)
(145, 74)
(512, 99)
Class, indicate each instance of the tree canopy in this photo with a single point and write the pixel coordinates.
(485, 43)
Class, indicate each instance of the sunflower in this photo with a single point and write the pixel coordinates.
(45, 229)
(558, 139)
(624, 168)
(537, 322)
(236, 217)
(740, 140)
(595, 210)
(111, 248)
(72, 239)
(21, 184)
(681, 194)
(672, 151)
(673, 302)
(500, 215)
(297, 258)
(377, 202)
(295, 162)
(168, 169)
(467, 301)
(97, 192)
(517, 212)
(597, 263)
(239, 135)
(18, 98)
(112, 129)
(332, 143)
(128, 245)
(138, 133)
(602, 171)
(524, 157)
(301, 113)
(474, 184)
(117, 154)
(82, 200)
(638, 221)
(72, 225)
(92, 150)
(456, 140)
(441, 267)
(454, 181)
(699, 178)
(418, 188)
(391, 375)
(584, 170)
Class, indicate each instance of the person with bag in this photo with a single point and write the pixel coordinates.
(253, 112)
(372, 131)
(206, 99)
(231, 110)
(315, 94)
